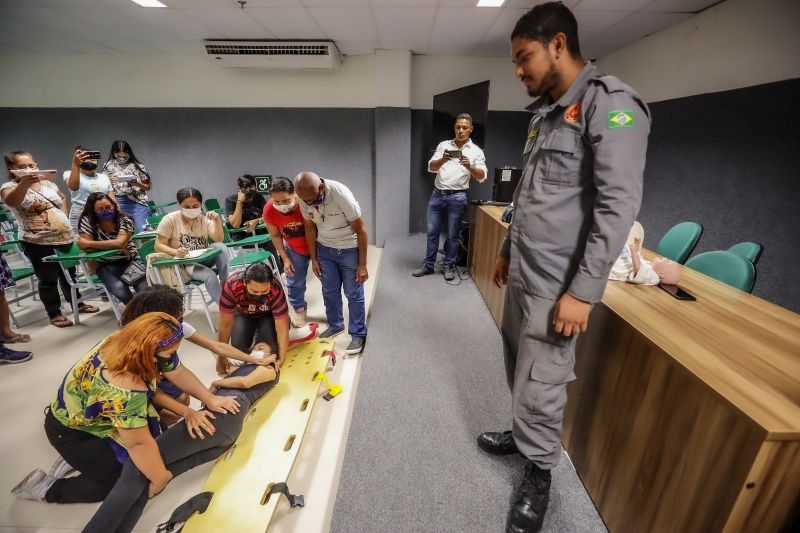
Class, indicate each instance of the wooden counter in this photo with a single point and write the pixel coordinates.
(685, 416)
(486, 234)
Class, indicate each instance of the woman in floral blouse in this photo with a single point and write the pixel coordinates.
(131, 182)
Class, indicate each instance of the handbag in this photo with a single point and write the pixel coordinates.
(134, 272)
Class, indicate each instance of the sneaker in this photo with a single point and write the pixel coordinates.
(7, 355)
(34, 486)
(424, 270)
(356, 345)
(299, 317)
(60, 469)
(330, 333)
(449, 273)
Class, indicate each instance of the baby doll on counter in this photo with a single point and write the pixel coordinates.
(630, 266)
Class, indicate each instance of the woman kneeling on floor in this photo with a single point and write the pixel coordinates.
(103, 414)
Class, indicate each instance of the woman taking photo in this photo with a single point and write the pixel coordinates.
(83, 180)
(103, 227)
(187, 229)
(41, 214)
(130, 180)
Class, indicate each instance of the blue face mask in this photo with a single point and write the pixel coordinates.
(320, 199)
(108, 214)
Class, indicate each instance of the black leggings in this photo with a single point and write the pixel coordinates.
(124, 505)
(49, 275)
(260, 327)
(89, 455)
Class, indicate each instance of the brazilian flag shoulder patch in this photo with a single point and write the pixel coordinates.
(620, 118)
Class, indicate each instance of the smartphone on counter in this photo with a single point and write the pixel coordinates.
(51, 175)
(454, 154)
(677, 292)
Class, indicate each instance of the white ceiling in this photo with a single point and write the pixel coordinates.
(433, 27)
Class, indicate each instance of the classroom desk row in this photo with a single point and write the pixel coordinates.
(685, 415)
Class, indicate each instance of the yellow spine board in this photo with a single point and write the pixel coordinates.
(266, 449)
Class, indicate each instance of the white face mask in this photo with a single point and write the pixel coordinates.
(285, 208)
(121, 160)
(191, 213)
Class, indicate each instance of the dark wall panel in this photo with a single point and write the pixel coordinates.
(208, 148)
(728, 160)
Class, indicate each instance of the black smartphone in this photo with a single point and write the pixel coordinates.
(677, 292)
(92, 154)
(454, 154)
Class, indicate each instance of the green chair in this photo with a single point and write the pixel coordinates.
(90, 285)
(154, 220)
(749, 250)
(212, 204)
(20, 274)
(726, 267)
(159, 208)
(677, 244)
(242, 258)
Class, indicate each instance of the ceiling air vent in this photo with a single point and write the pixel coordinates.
(315, 55)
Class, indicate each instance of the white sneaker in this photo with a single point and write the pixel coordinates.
(299, 317)
(34, 486)
(60, 469)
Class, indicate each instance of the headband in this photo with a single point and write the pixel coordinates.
(172, 338)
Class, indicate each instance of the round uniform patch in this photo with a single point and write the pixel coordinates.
(573, 112)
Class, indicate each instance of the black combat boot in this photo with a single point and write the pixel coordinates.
(533, 495)
(497, 443)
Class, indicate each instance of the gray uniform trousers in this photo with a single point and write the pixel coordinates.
(539, 363)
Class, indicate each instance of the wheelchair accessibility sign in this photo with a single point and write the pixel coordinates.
(263, 183)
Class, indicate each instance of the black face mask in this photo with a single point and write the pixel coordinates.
(257, 297)
(89, 165)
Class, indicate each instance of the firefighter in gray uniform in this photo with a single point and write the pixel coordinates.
(579, 194)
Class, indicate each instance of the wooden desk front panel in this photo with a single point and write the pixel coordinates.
(486, 235)
(657, 449)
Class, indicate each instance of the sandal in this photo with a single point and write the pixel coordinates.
(16, 337)
(86, 308)
(61, 322)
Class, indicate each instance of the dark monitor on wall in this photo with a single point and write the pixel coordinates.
(472, 99)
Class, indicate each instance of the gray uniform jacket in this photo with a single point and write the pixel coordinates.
(581, 188)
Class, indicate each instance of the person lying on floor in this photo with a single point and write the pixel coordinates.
(124, 505)
(102, 414)
(259, 375)
(174, 376)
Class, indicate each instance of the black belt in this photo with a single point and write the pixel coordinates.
(449, 191)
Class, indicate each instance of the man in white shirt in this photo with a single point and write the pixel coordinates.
(455, 162)
(337, 243)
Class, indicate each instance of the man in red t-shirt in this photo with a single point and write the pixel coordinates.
(252, 308)
(285, 224)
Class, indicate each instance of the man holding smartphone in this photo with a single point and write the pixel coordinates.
(455, 162)
(580, 192)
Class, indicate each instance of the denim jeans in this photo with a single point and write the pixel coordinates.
(297, 283)
(339, 271)
(135, 210)
(442, 207)
(202, 271)
(110, 272)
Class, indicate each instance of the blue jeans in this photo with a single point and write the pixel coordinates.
(339, 271)
(110, 272)
(297, 283)
(451, 207)
(213, 280)
(135, 210)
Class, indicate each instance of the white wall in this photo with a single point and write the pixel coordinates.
(177, 80)
(738, 43)
(432, 75)
(191, 80)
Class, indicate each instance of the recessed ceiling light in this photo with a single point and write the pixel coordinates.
(149, 3)
(490, 3)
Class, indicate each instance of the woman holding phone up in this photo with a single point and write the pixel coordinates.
(40, 210)
(130, 180)
(83, 180)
